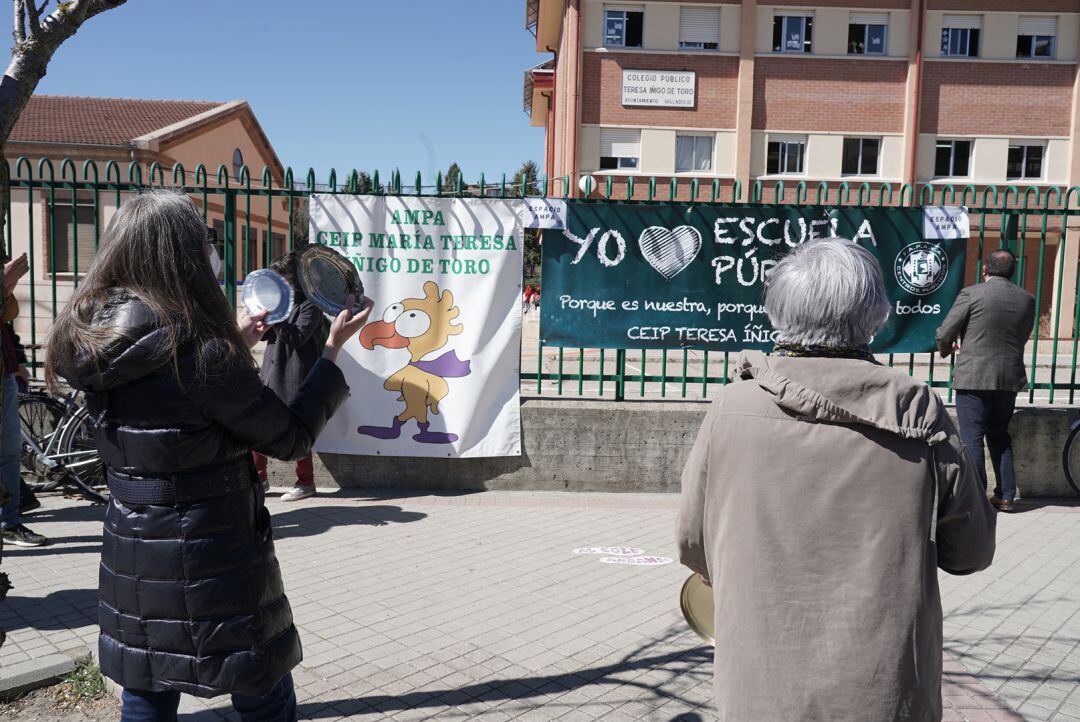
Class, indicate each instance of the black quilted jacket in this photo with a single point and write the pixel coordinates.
(191, 597)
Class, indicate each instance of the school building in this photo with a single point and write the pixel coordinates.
(105, 139)
(950, 91)
(963, 92)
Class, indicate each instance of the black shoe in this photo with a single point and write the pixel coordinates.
(28, 502)
(21, 536)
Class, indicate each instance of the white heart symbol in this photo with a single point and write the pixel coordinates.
(670, 251)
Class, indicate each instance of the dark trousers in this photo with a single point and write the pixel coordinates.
(278, 706)
(986, 414)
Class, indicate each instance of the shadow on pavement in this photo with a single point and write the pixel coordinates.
(361, 493)
(1025, 505)
(48, 512)
(309, 521)
(78, 607)
(676, 667)
(53, 548)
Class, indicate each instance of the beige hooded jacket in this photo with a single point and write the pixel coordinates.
(821, 497)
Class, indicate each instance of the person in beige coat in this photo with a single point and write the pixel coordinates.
(822, 495)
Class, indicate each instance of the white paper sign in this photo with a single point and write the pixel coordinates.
(663, 88)
(946, 222)
(434, 372)
(544, 213)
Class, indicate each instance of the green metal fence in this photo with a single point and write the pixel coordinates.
(58, 210)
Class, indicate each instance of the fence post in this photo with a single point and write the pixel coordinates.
(620, 374)
(230, 245)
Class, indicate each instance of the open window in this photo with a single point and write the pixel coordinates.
(620, 149)
(624, 27)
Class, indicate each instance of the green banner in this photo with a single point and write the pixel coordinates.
(692, 276)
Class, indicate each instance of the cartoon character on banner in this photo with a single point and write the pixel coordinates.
(423, 326)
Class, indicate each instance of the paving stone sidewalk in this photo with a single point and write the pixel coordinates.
(463, 606)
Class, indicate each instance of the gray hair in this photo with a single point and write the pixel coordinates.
(827, 292)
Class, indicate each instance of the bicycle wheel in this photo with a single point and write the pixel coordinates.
(1070, 459)
(85, 469)
(40, 416)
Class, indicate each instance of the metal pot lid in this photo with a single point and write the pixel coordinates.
(268, 291)
(327, 278)
(696, 602)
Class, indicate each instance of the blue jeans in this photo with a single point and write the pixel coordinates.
(10, 449)
(986, 415)
(277, 706)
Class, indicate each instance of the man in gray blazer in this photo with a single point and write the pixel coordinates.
(989, 325)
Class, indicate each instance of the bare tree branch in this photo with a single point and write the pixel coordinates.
(35, 44)
(19, 24)
(35, 15)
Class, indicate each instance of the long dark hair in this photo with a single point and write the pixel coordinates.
(286, 266)
(155, 248)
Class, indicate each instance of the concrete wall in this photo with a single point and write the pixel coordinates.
(628, 447)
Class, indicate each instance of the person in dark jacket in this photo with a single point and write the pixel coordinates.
(18, 501)
(292, 348)
(191, 595)
(987, 329)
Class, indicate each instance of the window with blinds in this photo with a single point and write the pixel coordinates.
(619, 148)
(960, 35)
(1036, 37)
(693, 153)
(699, 28)
(73, 238)
(868, 33)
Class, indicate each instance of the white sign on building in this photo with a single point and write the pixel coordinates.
(661, 88)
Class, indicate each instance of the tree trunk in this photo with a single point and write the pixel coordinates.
(29, 60)
(36, 40)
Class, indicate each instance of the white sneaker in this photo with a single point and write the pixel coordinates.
(298, 492)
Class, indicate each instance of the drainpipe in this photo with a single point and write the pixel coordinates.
(913, 163)
(553, 109)
(575, 122)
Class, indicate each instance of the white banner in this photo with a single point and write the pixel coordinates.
(435, 370)
(946, 222)
(665, 88)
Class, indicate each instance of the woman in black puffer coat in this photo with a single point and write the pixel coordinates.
(191, 597)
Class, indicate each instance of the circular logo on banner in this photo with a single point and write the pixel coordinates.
(921, 268)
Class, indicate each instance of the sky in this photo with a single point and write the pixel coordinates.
(412, 84)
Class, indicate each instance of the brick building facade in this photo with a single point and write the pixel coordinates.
(963, 92)
(835, 90)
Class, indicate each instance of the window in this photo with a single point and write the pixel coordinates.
(693, 153)
(861, 156)
(73, 241)
(619, 149)
(868, 34)
(786, 155)
(792, 33)
(1026, 162)
(623, 28)
(699, 28)
(275, 245)
(952, 159)
(960, 36)
(237, 163)
(219, 228)
(1036, 38)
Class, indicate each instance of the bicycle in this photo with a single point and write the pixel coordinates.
(1070, 457)
(58, 445)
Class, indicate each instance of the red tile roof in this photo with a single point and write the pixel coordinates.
(99, 121)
